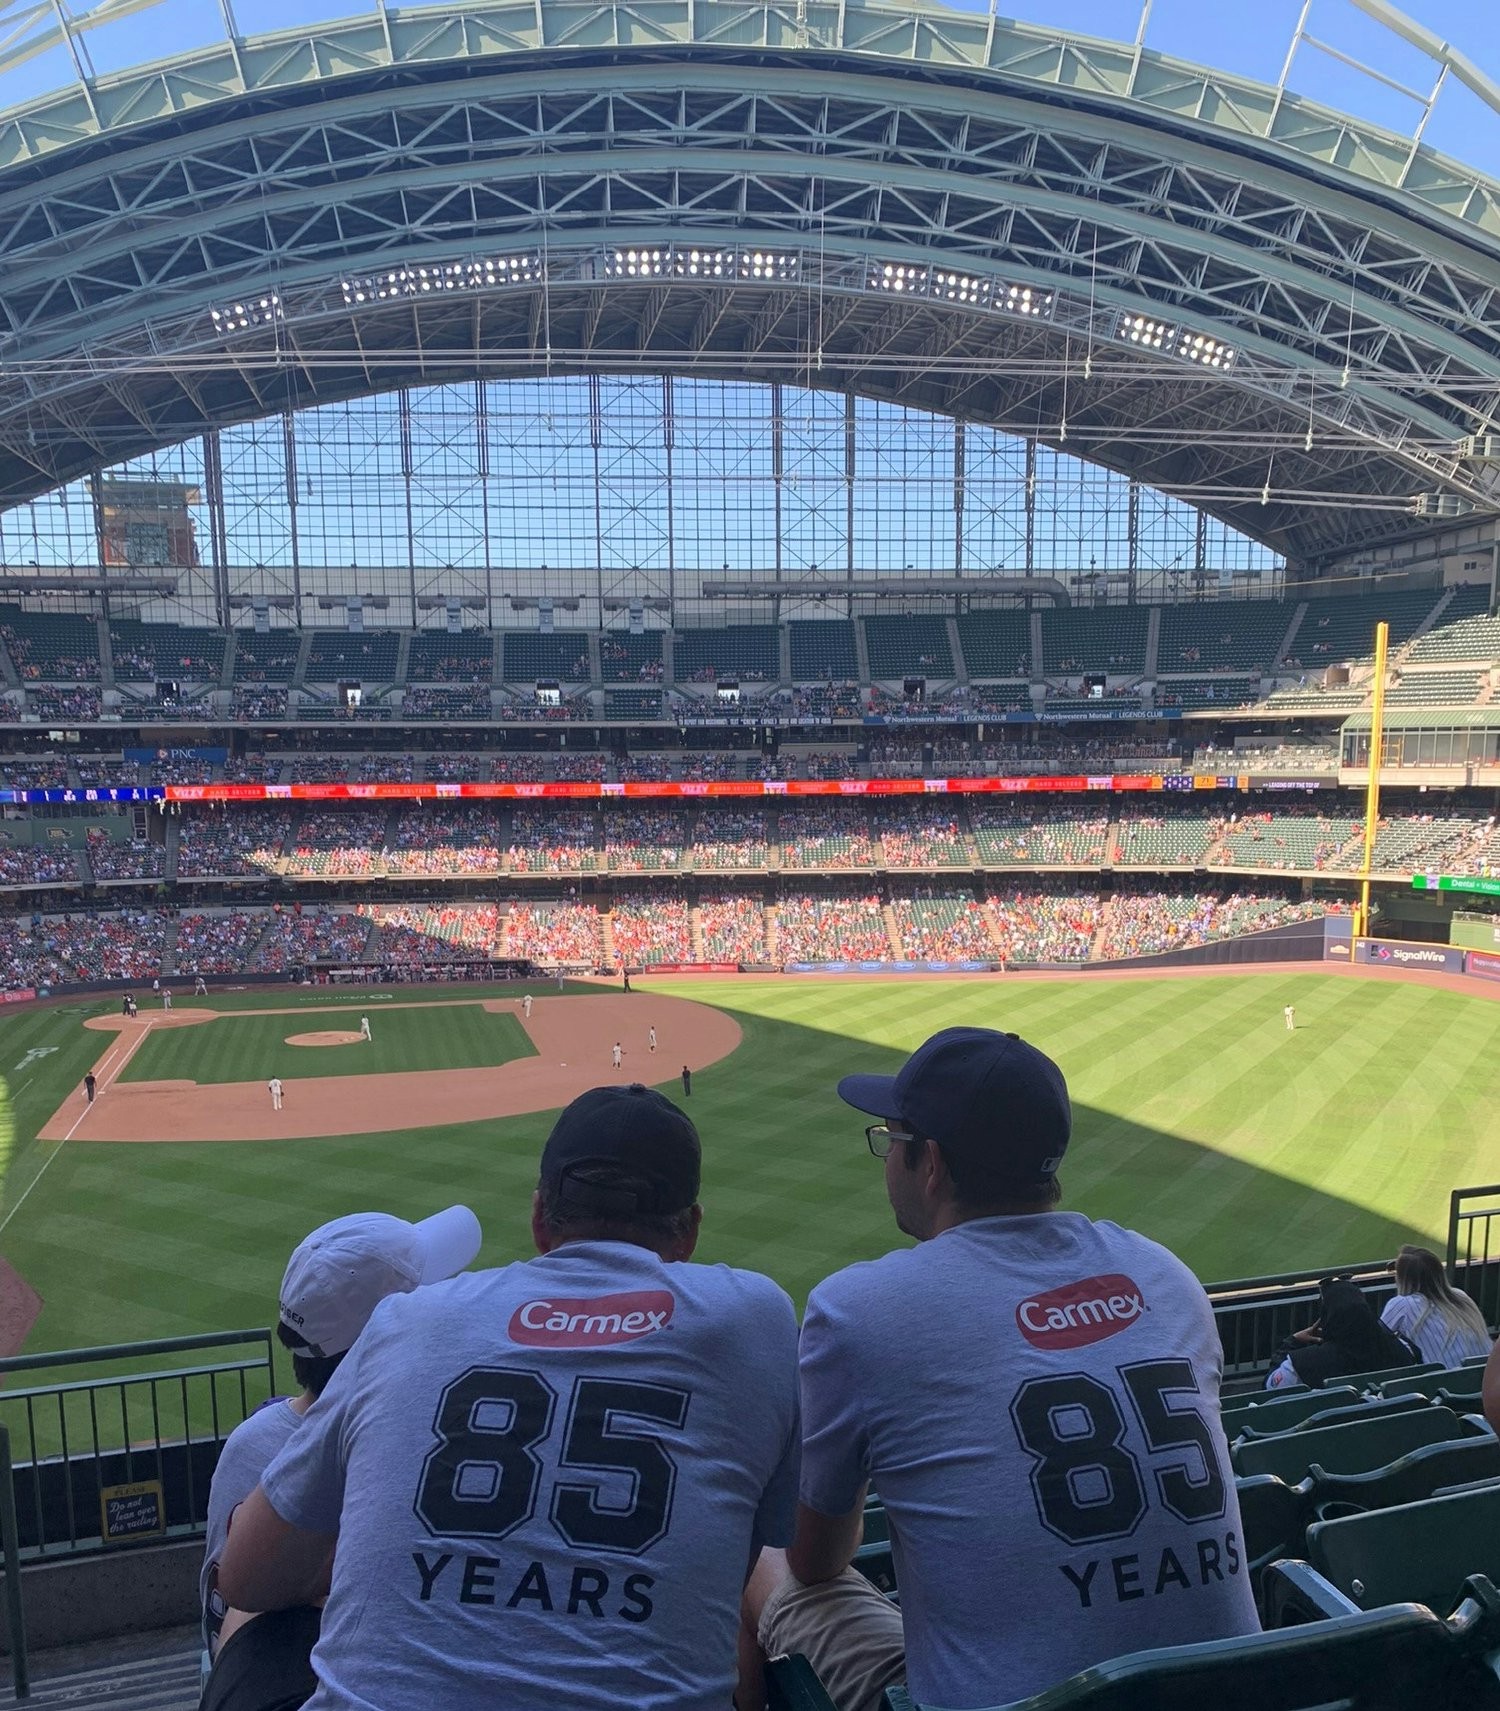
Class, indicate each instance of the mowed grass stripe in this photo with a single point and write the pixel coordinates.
(251, 1047)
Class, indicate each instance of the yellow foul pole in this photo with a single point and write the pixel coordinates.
(1372, 789)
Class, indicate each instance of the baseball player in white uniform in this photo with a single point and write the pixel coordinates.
(200, 987)
(166, 998)
(364, 1027)
(615, 1054)
(275, 1086)
(526, 1006)
(651, 1039)
(1289, 1016)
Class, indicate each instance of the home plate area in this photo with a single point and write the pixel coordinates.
(573, 1037)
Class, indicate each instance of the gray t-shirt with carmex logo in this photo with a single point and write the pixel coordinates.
(547, 1482)
(1036, 1400)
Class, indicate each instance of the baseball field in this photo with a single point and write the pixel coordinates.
(170, 1204)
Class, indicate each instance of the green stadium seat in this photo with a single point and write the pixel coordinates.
(793, 1685)
(1362, 1410)
(1417, 1553)
(1373, 1380)
(1411, 1479)
(1385, 1660)
(1283, 1409)
(1456, 1380)
(1358, 1447)
(1274, 1518)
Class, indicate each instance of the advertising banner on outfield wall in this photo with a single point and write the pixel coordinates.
(1396, 953)
(890, 967)
(1483, 965)
(1338, 938)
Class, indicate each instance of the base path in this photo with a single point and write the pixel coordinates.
(572, 1036)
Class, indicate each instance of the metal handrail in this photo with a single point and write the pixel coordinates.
(131, 1351)
(15, 1614)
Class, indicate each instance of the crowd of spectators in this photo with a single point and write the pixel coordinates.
(832, 834)
(260, 701)
(1027, 833)
(135, 858)
(60, 667)
(730, 840)
(563, 840)
(445, 841)
(527, 705)
(942, 926)
(219, 842)
(252, 769)
(1046, 922)
(1152, 919)
(566, 934)
(44, 950)
(47, 774)
(816, 702)
(448, 702)
(219, 942)
(579, 768)
(435, 932)
(832, 927)
(76, 705)
(913, 834)
(650, 926)
(733, 927)
(298, 935)
(454, 768)
(337, 843)
(615, 666)
(643, 840)
(51, 863)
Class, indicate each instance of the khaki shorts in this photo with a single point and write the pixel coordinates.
(850, 1634)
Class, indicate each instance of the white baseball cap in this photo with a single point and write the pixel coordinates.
(341, 1273)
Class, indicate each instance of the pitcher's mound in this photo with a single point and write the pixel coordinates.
(325, 1037)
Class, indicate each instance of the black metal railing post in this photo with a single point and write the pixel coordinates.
(15, 1614)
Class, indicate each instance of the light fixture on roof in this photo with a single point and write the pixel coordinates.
(252, 312)
(1144, 331)
(480, 273)
(1199, 347)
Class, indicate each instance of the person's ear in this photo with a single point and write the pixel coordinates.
(935, 1178)
(689, 1243)
(540, 1234)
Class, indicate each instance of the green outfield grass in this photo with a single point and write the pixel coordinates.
(247, 1047)
(1199, 1120)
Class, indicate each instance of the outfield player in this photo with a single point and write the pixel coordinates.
(1289, 1016)
(1061, 1501)
(334, 1280)
(274, 1084)
(560, 1511)
(364, 1027)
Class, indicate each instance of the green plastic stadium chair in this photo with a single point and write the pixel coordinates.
(1373, 1380)
(1281, 1409)
(1358, 1447)
(1419, 1553)
(1398, 1659)
(792, 1685)
(1273, 1518)
(1366, 1409)
(1411, 1479)
(1459, 1380)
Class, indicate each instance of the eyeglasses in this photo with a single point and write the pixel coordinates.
(882, 1137)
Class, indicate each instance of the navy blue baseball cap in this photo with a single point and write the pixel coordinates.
(633, 1129)
(982, 1094)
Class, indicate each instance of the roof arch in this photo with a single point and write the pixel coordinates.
(1270, 310)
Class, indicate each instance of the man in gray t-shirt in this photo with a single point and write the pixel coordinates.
(547, 1482)
(1033, 1396)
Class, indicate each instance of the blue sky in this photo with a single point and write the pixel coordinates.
(1245, 36)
